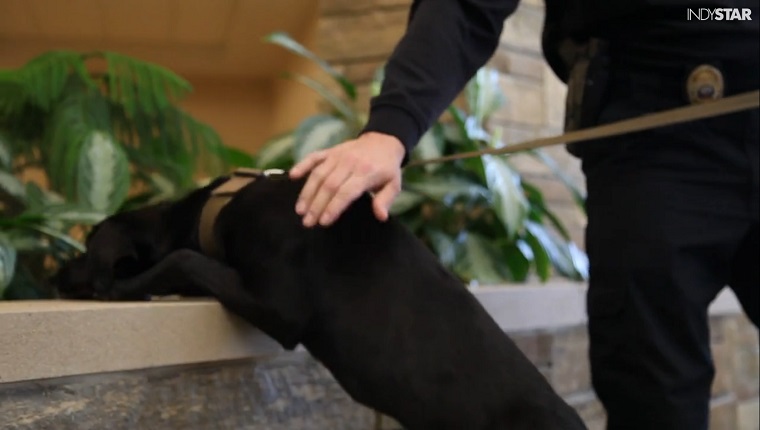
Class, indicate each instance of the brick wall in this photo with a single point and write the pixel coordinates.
(562, 356)
(358, 35)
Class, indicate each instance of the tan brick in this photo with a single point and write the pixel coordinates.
(372, 34)
(536, 346)
(513, 133)
(516, 63)
(362, 72)
(553, 190)
(723, 414)
(555, 92)
(569, 164)
(363, 96)
(745, 358)
(748, 415)
(528, 165)
(723, 383)
(524, 102)
(573, 219)
(537, 3)
(570, 366)
(589, 408)
(342, 6)
(523, 29)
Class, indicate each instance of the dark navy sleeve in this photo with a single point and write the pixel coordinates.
(446, 42)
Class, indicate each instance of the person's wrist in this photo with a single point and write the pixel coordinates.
(398, 148)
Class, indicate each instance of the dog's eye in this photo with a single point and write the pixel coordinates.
(126, 267)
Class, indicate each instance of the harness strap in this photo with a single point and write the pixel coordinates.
(218, 199)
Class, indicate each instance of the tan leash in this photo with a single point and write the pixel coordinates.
(707, 109)
(744, 101)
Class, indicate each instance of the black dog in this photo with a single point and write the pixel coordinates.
(400, 333)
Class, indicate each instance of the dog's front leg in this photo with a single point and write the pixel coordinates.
(183, 272)
(187, 270)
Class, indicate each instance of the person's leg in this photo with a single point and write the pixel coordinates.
(745, 270)
(745, 274)
(660, 249)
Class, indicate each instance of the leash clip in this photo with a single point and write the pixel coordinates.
(272, 172)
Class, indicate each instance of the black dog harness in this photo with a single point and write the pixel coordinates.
(219, 198)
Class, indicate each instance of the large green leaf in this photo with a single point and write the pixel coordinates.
(565, 256)
(6, 155)
(541, 246)
(70, 125)
(540, 209)
(13, 92)
(444, 246)
(548, 161)
(64, 239)
(284, 40)
(7, 263)
(481, 261)
(74, 214)
(238, 158)
(65, 134)
(103, 180)
(377, 81)
(345, 110)
(509, 201)
(518, 257)
(406, 200)
(141, 86)
(277, 152)
(446, 188)
(463, 137)
(26, 285)
(579, 259)
(483, 94)
(12, 185)
(46, 76)
(431, 145)
(466, 131)
(318, 132)
(26, 241)
(39, 199)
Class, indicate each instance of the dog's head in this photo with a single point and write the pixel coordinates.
(128, 243)
(119, 247)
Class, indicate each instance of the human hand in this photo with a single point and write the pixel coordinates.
(341, 174)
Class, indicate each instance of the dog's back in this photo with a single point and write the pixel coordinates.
(396, 329)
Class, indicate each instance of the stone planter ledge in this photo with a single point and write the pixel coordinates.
(49, 339)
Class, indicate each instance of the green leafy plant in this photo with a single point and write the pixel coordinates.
(82, 136)
(480, 216)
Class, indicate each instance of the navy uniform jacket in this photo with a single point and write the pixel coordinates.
(448, 40)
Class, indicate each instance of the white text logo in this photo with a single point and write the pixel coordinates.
(719, 14)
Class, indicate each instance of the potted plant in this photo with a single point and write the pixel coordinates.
(82, 136)
(484, 221)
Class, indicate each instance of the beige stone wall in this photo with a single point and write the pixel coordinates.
(290, 391)
(359, 35)
(562, 356)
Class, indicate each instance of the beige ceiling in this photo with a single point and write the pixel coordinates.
(192, 37)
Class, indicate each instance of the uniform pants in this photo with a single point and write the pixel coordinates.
(672, 219)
